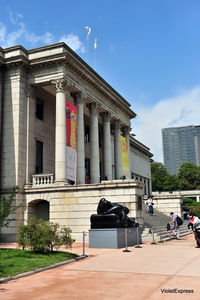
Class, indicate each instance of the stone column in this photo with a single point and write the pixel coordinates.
(107, 146)
(94, 143)
(60, 134)
(80, 139)
(126, 130)
(117, 145)
(30, 135)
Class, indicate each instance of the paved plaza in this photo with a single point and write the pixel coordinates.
(170, 270)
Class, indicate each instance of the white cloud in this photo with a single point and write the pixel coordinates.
(73, 42)
(14, 19)
(21, 34)
(2, 33)
(180, 110)
(12, 38)
(33, 38)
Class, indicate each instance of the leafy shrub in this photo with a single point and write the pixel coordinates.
(66, 237)
(43, 236)
(195, 210)
(189, 202)
(192, 205)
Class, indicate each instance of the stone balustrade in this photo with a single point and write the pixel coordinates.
(42, 179)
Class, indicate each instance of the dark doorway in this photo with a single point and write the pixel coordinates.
(39, 157)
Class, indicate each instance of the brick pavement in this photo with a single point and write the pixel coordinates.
(112, 274)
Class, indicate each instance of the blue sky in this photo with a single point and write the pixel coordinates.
(148, 50)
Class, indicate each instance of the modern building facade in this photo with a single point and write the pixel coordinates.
(180, 144)
(62, 177)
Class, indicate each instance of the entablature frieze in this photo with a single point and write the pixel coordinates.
(61, 55)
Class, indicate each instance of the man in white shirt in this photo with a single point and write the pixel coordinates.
(150, 205)
(196, 227)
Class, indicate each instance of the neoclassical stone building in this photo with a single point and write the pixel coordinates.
(34, 87)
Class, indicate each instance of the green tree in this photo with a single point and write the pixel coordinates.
(189, 176)
(7, 208)
(161, 179)
(159, 176)
(172, 183)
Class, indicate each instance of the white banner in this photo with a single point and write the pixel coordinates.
(71, 163)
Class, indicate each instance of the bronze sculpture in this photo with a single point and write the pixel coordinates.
(111, 215)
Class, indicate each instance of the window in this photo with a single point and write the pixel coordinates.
(87, 167)
(39, 109)
(39, 157)
(87, 134)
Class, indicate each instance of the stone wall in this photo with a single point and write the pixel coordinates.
(140, 163)
(166, 203)
(73, 206)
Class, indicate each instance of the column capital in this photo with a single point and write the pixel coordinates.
(94, 107)
(60, 84)
(79, 96)
(126, 130)
(117, 124)
(106, 116)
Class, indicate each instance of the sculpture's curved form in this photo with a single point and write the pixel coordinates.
(111, 215)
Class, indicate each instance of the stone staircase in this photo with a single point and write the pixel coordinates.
(154, 228)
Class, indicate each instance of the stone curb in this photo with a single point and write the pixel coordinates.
(2, 280)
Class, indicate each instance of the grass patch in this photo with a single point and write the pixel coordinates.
(16, 261)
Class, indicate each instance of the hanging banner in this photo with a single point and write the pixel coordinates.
(71, 124)
(124, 152)
(71, 164)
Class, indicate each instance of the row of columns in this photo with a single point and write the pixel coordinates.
(60, 139)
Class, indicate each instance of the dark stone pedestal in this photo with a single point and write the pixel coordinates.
(113, 238)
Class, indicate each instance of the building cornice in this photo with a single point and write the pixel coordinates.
(141, 147)
(2, 60)
(61, 54)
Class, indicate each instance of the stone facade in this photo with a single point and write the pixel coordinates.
(35, 85)
(168, 202)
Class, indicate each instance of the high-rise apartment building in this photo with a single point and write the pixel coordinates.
(180, 144)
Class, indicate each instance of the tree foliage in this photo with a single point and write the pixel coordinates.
(161, 179)
(189, 176)
(7, 207)
(159, 176)
(43, 236)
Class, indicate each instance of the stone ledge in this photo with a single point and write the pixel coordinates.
(103, 185)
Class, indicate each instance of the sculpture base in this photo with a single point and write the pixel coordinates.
(113, 238)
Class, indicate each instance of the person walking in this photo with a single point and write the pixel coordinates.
(196, 227)
(175, 227)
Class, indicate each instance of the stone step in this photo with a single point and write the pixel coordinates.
(158, 234)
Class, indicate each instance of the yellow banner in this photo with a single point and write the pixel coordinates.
(124, 151)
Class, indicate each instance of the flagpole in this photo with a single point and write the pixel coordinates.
(88, 29)
(95, 56)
